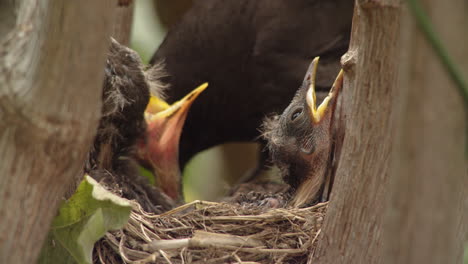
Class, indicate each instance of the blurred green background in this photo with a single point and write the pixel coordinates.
(466, 254)
(209, 174)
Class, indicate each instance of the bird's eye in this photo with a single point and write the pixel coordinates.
(296, 114)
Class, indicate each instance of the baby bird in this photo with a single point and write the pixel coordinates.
(126, 92)
(159, 149)
(125, 95)
(300, 139)
(135, 125)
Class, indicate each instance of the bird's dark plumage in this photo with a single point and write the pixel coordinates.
(300, 139)
(253, 54)
(125, 97)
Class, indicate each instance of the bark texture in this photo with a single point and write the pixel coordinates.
(123, 23)
(352, 231)
(428, 185)
(51, 72)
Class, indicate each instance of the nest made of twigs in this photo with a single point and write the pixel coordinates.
(209, 232)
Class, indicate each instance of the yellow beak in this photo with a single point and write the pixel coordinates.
(160, 149)
(157, 109)
(317, 113)
(156, 105)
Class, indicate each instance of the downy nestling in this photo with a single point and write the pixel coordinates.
(300, 139)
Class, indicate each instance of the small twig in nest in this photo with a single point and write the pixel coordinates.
(203, 239)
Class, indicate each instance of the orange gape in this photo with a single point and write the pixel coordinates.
(159, 150)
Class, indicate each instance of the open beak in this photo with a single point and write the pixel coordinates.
(160, 149)
(322, 117)
(156, 105)
(318, 113)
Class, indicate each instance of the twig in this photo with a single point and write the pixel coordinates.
(185, 206)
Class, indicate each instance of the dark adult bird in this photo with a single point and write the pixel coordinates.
(300, 139)
(253, 54)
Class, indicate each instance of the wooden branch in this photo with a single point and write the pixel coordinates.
(51, 73)
(352, 229)
(429, 184)
(123, 23)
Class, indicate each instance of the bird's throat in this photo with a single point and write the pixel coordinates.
(309, 188)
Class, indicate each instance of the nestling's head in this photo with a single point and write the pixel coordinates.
(300, 138)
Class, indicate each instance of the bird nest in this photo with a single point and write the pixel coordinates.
(209, 232)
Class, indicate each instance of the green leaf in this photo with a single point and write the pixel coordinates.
(83, 220)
